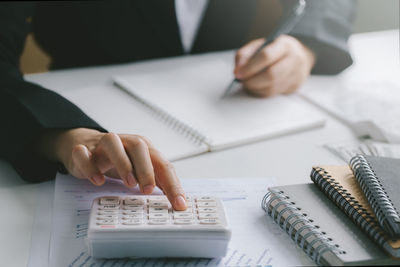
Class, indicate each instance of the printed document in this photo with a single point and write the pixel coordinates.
(256, 239)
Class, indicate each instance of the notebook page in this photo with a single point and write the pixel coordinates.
(193, 95)
(118, 112)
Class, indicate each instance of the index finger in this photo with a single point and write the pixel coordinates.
(166, 178)
(263, 59)
(245, 52)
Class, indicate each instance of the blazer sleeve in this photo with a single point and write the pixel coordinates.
(27, 110)
(325, 28)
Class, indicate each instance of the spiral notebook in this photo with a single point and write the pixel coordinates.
(320, 228)
(379, 179)
(189, 99)
(116, 112)
(342, 188)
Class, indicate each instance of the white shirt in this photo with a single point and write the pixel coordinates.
(189, 14)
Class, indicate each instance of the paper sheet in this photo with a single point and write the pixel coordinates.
(256, 240)
(370, 109)
(346, 151)
(41, 234)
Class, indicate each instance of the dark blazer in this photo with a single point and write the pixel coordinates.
(88, 33)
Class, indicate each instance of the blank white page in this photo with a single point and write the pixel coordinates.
(193, 95)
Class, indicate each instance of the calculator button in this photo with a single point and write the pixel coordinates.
(189, 204)
(133, 207)
(183, 221)
(188, 198)
(207, 210)
(158, 221)
(109, 200)
(188, 210)
(130, 212)
(107, 217)
(206, 204)
(109, 207)
(159, 204)
(158, 199)
(107, 222)
(158, 210)
(208, 216)
(205, 199)
(132, 216)
(134, 201)
(132, 222)
(209, 221)
(158, 216)
(183, 216)
(107, 212)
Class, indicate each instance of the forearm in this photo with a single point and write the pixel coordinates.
(28, 113)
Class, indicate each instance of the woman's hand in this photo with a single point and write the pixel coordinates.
(90, 154)
(279, 68)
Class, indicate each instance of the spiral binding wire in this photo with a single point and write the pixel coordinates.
(181, 127)
(346, 202)
(375, 193)
(314, 253)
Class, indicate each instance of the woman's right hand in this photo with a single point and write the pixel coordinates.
(90, 154)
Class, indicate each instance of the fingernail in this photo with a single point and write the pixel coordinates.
(148, 189)
(98, 179)
(131, 180)
(180, 202)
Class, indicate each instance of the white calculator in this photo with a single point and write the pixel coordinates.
(148, 227)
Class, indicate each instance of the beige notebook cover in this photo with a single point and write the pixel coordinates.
(340, 185)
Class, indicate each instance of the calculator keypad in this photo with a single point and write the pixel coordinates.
(155, 210)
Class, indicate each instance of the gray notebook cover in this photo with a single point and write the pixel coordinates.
(387, 170)
(358, 248)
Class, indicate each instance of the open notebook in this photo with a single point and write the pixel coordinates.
(189, 99)
(119, 113)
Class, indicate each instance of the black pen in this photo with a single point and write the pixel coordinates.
(287, 24)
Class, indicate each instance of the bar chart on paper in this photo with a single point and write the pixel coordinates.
(256, 240)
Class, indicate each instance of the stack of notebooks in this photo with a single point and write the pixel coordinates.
(347, 216)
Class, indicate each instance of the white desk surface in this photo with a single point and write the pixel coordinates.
(287, 158)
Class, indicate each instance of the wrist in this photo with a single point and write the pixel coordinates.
(309, 54)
